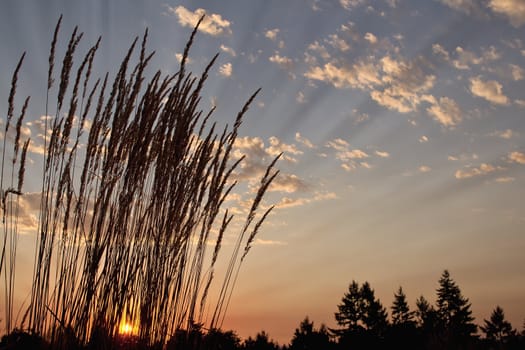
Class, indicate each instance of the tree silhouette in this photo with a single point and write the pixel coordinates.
(363, 317)
(453, 310)
(497, 329)
(403, 332)
(261, 342)
(401, 313)
(306, 337)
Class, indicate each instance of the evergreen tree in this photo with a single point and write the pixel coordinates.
(497, 328)
(454, 313)
(403, 333)
(261, 342)
(401, 313)
(363, 317)
(306, 337)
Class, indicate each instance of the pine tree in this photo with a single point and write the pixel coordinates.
(401, 313)
(497, 328)
(306, 337)
(361, 311)
(453, 310)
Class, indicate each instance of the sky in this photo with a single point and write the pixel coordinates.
(402, 124)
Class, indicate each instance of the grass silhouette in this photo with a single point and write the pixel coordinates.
(129, 205)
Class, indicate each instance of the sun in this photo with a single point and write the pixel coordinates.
(127, 329)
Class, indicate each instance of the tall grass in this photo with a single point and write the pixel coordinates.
(130, 205)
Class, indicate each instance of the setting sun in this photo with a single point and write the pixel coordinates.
(127, 329)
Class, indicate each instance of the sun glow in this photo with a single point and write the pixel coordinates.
(126, 328)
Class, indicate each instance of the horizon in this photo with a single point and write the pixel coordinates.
(401, 125)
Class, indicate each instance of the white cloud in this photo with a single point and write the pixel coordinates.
(514, 10)
(282, 61)
(504, 134)
(446, 112)
(272, 34)
(336, 42)
(424, 169)
(350, 158)
(300, 97)
(288, 183)
(213, 24)
(228, 50)
(382, 154)
(423, 139)
(517, 72)
(371, 38)
(439, 50)
(465, 6)
(304, 141)
(226, 70)
(267, 242)
(464, 58)
(520, 103)
(490, 90)
(505, 179)
(287, 202)
(277, 146)
(349, 4)
(469, 172)
(517, 157)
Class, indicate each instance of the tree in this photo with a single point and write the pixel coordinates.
(306, 337)
(403, 333)
(362, 315)
(401, 313)
(261, 342)
(497, 328)
(454, 313)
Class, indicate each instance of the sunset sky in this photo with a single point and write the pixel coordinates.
(402, 124)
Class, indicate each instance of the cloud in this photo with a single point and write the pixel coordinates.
(267, 242)
(371, 38)
(469, 172)
(272, 34)
(304, 141)
(517, 72)
(446, 112)
(464, 58)
(277, 147)
(288, 183)
(213, 24)
(439, 50)
(504, 134)
(465, 6)
(359, 75)
(226, 70)
(228, 50)
(382, 154)
(424, 169)
(490, 90)
(282, 61)
(350, 159)
(514, 10)
(349, 4)
(423, 139)
(505, 179)
(336, 42)
(520, 103)
(517, 157)
(178, 57)
(287, 202)
(300, 97)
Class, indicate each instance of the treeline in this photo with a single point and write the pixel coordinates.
(363, 323)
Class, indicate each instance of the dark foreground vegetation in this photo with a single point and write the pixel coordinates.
(364, 323)
(128, 208)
